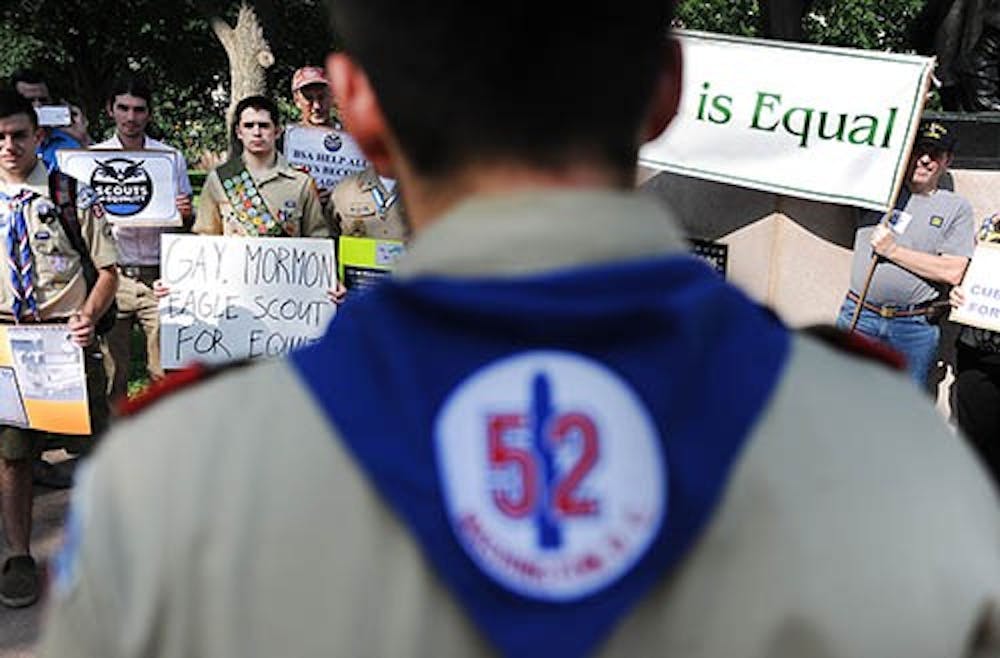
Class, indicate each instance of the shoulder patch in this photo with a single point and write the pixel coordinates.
(178, 380)
(857, 344)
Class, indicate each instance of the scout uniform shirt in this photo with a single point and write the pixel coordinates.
(365, 208)
(811, 551)
(246, 204)
(60, 287)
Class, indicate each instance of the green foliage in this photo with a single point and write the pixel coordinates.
(866, 24)
(862, 23)
(81, 46)
(739, 17)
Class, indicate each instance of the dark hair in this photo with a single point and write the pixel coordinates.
(257, 103)
(538, 81)
(12, 103)
(27, 76)
(132, 85)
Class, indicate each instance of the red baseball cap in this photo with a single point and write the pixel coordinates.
(308, 75)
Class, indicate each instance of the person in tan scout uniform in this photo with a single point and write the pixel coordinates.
(366, 206)
(259, 194)
(50, 289)
(540, 438)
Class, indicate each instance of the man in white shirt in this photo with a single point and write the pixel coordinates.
(130, 105)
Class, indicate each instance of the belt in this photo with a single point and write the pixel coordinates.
(141, 272)
(890, 312)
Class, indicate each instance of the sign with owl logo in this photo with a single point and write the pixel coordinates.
(135, 187)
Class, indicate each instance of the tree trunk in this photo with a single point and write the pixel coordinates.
(249, 57)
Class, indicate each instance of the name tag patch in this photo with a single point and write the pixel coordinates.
(552, 474)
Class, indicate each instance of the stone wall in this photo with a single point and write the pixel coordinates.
(795, 255)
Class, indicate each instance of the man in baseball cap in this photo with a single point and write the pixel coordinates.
(311, 95)
(922, 250)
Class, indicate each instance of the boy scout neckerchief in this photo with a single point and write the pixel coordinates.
(22, 276)
(248, 203)
(416, 376)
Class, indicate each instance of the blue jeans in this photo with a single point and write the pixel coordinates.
(913, 336)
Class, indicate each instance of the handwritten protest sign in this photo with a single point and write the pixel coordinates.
(366, 261)
(239, 298)
(982, 290)
(823, 123)
(329, 155)
(43, 385)
(136, 187)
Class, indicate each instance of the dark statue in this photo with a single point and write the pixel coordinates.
(965, 36)
(782, 19)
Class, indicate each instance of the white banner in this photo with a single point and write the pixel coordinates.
(242, 298)
(981, 286)
(822, 123)
(137, 188)
(329, 155)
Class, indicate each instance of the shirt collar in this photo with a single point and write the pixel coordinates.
(38, 181)
(280, 168)
(532, 232)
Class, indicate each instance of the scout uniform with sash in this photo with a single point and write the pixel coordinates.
(279, 202)
(544, 443)
(49, 284)
(365, 208)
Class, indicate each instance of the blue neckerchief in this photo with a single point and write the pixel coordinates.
(702, 359)
(19, 255)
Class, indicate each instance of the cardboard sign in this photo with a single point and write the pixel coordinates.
(329, 155)
(43, 385)
(137, 188)
(981, 286)
(822, 123)
(366, 261)
(242, 298)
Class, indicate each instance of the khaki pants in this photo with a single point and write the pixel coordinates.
(136, 303)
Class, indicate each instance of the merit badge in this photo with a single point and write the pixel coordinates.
(937, 221)
(552, 474)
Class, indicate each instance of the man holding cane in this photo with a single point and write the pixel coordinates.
(922, 249)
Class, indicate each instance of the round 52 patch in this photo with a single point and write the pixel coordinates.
(552, 473)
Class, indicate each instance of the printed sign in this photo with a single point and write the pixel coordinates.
(43, 385)
(822, 123)
(366, 261)
(242, 298)
(981, 286)
(553, 474)
(138, 188)
(329, 155)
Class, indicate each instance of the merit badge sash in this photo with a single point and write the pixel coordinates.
(250, 209)
(555, 443)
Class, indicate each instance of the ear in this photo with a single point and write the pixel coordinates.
(667, 93)
(360, 110)
(110, 109)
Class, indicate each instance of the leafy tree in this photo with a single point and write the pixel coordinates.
(81, 45)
